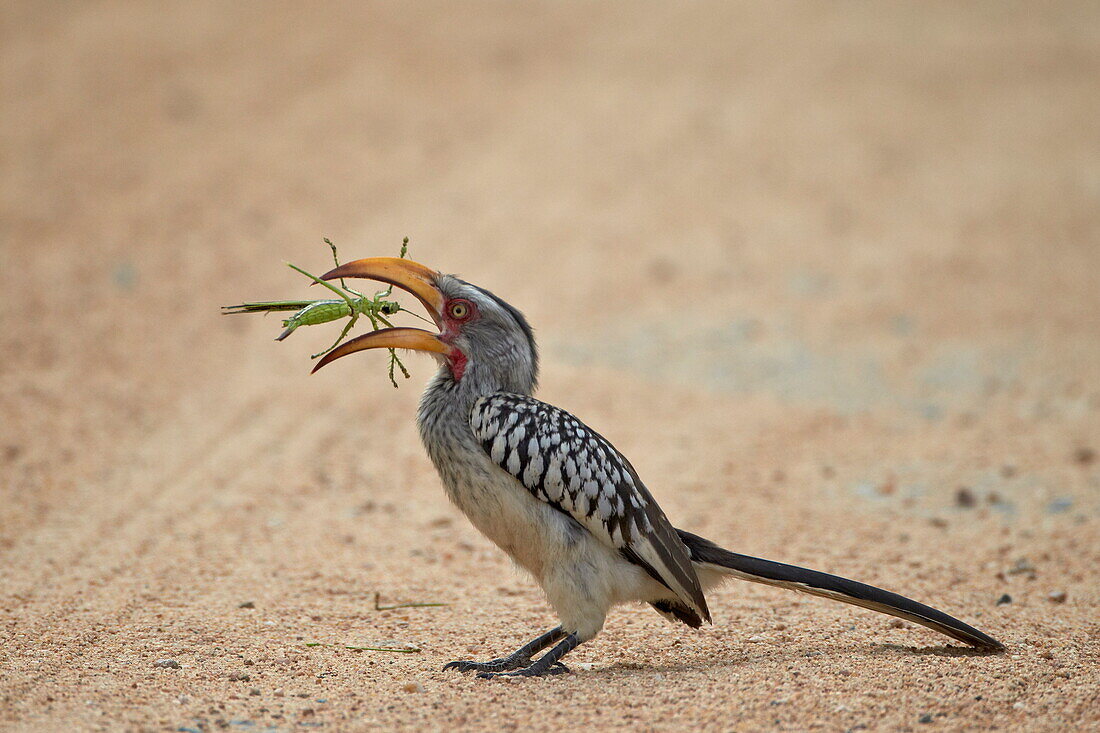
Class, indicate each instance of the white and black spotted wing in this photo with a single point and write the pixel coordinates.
(574, 469)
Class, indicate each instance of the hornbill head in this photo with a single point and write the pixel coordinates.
(484, 343)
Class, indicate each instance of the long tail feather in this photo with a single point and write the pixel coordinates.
(791, 577)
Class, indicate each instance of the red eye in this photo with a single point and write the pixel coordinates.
(460, 310)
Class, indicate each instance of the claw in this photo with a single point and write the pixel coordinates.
(496, 665)
(556, 668)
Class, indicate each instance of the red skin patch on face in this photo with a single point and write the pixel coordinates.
(456, 360)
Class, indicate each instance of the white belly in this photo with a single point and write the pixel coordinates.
(581, 576)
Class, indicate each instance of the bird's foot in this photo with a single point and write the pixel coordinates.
(502, 664)
(532, 671)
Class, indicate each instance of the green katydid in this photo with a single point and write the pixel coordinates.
(350, 304)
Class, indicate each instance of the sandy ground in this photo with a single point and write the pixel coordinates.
(829, 277)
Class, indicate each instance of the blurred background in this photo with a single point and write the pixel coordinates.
(827, 274)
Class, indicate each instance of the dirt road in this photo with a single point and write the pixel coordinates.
(828, 277)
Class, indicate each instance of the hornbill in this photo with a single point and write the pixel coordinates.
(556, 495)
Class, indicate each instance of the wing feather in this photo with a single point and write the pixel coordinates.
(566, 464)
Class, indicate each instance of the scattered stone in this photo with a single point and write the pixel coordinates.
(897, 623)
(757, 637)
(247, 604)
(167, 664)
(255, 692)
(1058, 596)
(1008, 470)
(1084, 455)
(239, 677)
(926, 718)
(1022, 566)
(965, 498)
(938, 522)
(780, 626)
(413, 687)
(1004, 600)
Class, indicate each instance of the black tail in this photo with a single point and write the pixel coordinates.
(830, 586)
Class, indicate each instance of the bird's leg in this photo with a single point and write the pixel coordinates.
(546, 664)
(519, 658)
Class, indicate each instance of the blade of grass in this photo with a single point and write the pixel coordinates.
(379, 607)
(398, 650)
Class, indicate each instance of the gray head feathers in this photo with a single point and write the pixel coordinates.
(499, 346)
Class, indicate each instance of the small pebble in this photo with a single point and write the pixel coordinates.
(1005, 599)
(413, 687)
(255, 692)
(757, 637)
(1084, 455)
(239, 677)
(926, 718)
(1058, 596)
(247, 604)
(1022, 566)
(965, 498)
(167, 664)
(938, 522)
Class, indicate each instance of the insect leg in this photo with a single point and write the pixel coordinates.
(347, 327)
(336, 260)
(394, 358)
(343, 296)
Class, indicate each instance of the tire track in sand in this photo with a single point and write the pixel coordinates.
(120, 543)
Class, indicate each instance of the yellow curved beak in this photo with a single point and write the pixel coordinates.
(415, 339)
(405, 274)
